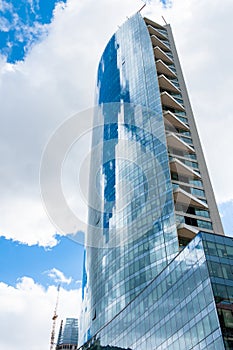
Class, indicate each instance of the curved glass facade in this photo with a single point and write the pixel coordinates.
(132, 231)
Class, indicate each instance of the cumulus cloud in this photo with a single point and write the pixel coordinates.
(57, 80)
(58, 276)
(23, 219)
(27, 310)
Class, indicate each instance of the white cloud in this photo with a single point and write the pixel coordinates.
(5, 6)
(27, 310)
(28, 222)
(4, 25)
(57, 80)
(58, 276)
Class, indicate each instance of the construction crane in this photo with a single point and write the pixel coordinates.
(54, 318)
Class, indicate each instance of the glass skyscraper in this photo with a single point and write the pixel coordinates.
(149, 196)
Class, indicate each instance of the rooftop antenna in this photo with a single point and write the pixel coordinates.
(164, 20)
(54, 318)
(142, 7)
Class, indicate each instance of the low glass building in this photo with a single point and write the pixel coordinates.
(189, 305)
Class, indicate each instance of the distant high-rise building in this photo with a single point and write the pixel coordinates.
(150, 196)
(68, 335)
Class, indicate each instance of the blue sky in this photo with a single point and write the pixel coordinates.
(18, 260)
(42, 83)
(22, 24)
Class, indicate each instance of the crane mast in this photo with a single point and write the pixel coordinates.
(54, 318)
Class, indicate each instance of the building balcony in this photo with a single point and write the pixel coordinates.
(161, 55)
(187, 199)
(187, 231)
(166, 84)
(153, 24)
(175, 142)
(176, 166)
(157, 42)
(162, 68)
(171, 119)
(170, 102)
(154, 31)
